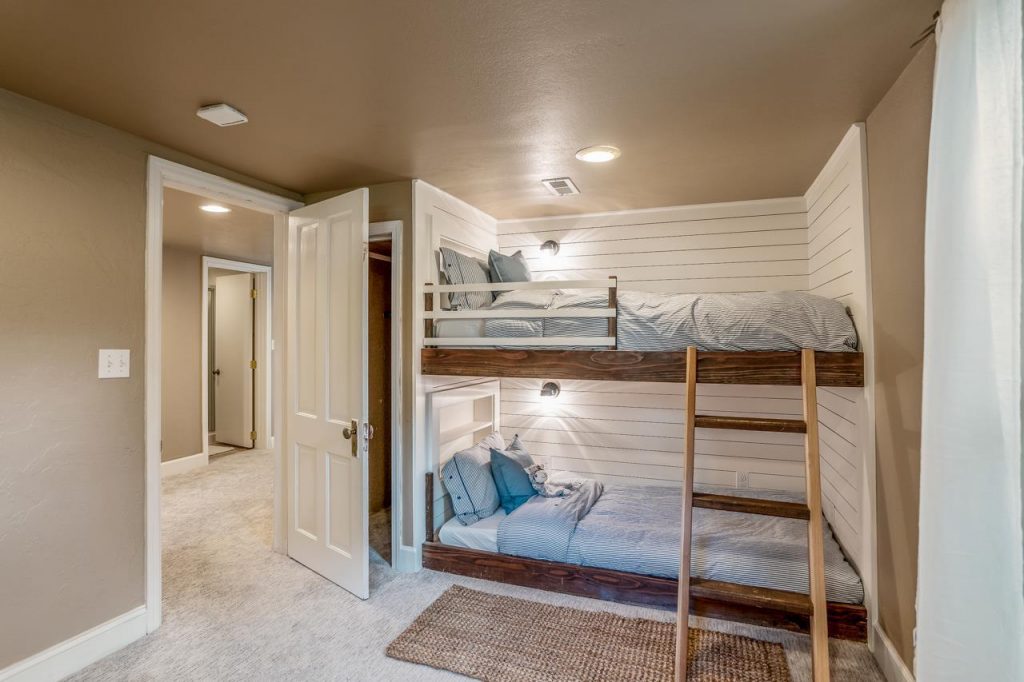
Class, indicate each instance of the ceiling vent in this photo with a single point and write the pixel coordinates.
(561, 187)
(222, 115)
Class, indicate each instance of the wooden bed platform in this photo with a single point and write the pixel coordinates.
(728, 601)
(776, 368)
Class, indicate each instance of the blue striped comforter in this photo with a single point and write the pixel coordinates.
(637, 529)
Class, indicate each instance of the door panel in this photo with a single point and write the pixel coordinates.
(327, 390)
(233, 353)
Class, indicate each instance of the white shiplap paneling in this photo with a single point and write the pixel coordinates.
(634, 432)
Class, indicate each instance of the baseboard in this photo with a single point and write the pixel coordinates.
(889, 660)
(183, 464)
(73, 654)
(407, 559)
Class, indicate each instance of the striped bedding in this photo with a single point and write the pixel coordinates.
(782, 320)
(637, 529)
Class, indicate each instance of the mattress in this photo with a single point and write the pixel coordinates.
(637, 529)
(459, 329)
(482, 535)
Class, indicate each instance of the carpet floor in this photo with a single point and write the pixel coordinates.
(234, 609)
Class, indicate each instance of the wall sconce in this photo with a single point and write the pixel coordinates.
(550, 390)
(549, 248)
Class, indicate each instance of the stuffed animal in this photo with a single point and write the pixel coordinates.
(539, 480)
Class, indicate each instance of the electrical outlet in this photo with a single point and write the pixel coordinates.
(114, 363)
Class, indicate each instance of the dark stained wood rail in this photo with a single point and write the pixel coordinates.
(702, 421)
(752, 505)
(729, 601)
(777, 368)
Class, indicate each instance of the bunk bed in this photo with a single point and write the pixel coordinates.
(589, 345)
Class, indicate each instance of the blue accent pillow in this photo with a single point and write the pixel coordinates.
(508, 467)
(508, 268)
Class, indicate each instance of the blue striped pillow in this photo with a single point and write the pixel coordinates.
(462, 269)
(467, 478)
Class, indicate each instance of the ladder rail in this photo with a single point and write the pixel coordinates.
(815, 527)
(683, 599)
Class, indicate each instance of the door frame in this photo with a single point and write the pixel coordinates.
(264, 341)
(384, 231)
(161, 173)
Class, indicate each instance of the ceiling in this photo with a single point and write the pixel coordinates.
(709, 101)
(242, 234)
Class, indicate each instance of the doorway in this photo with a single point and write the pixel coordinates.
(380, 357)
(236, 342)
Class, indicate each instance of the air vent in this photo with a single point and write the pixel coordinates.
(561, 187)
(222, 115)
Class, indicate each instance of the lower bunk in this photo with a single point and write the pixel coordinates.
(625, 548)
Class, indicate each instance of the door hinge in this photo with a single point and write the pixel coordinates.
(253, 293)
(252, 364)
(252, 435)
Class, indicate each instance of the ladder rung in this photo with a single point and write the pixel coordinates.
(758, 597)
(752, 505)
(703, 421)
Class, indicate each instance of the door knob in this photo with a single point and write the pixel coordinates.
(351, 434)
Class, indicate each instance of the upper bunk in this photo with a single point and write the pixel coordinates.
(513, 338)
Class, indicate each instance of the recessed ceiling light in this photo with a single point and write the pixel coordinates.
(215, 208)
(601, 153)
(222, 115)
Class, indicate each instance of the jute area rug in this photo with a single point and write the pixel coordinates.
(504, 639)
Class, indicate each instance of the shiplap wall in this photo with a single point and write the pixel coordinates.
(633, 432)
(838, 268)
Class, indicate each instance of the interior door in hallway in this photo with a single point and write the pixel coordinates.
(233, 354)
(327, 390)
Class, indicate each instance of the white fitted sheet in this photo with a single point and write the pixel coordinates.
(482, 535)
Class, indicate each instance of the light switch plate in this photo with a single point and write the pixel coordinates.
(115, 363)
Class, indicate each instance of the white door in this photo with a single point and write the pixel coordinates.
(233, 356)
(327, 390)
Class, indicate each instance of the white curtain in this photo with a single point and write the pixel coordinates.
(970, 576)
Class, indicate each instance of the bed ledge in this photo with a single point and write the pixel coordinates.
(776, 368)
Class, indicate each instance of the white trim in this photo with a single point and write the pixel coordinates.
(162, 173)
(785, 204)
(393, 229)
(172, 467)
(508, 313)
(889, 660)
(82, 650)
(407, 559)
(516, 341)
(263, 326)
(537, 285)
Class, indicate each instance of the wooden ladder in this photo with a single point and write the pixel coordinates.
(815, 605)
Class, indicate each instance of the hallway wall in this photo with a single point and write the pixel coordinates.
(72, 249)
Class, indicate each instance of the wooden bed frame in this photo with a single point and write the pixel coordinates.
(775, 368)
(728, 601)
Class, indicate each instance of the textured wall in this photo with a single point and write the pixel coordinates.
(897, 177)
(181, 391)
(72, 241)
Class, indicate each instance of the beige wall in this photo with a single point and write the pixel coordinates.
(181, 390)
(72, 241)
(897, 176)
